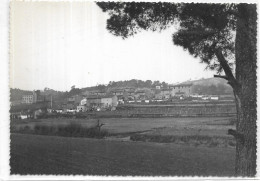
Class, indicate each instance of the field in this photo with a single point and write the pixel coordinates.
(128, 125)
(158, 148)
(35, 154)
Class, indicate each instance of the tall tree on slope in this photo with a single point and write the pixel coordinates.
(222, 36)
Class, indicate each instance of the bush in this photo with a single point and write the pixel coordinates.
(70, 130)
(195, 140)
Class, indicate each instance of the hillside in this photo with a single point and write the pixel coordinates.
(211, 86)
(208, 81)
(214, 86)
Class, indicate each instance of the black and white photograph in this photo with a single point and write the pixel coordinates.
(133, 89)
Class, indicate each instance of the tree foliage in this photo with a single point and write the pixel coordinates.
(129, 18)
(206, 28)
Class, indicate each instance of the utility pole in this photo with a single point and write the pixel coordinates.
(51, 101)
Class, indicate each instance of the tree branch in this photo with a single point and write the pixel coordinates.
(221, 76)
(198, 32)
(230, 77)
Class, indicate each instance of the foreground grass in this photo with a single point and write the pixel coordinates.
(35, 154)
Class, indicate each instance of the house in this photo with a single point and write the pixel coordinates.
(28, 99)
(158, 96)
(129, 89)
(32, 97)
(131, 93)
(96, 93)
(118, 92)
(106, 101)
(157, 87)
(166, 93)
(93, 101)
(181, 90)
(28, 110)
(109, 101)
(140, 94)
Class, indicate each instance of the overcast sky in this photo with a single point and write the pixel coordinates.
(60, 44)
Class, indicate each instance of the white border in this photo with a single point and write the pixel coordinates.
(4, 108)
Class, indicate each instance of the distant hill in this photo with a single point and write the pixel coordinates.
(211, 86)
(208, 81)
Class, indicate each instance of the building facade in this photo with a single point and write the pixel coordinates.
(165, 93)
(31, 98)
(181, 90)
(107, 101)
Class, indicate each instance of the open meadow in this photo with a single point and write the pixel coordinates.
(189, 125)
(133, 146)
(36, 154)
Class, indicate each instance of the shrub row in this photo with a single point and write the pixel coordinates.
(70, 130)
(190, 139)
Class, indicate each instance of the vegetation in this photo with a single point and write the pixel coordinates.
(195, 140)
(220, 35)
(35, 154)
(70, 130)
(195, 146)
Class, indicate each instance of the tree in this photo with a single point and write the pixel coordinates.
(148, 83)
(222, 36)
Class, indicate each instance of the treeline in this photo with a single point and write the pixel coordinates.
(137, 84)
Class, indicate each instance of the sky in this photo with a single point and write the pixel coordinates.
(61, 44)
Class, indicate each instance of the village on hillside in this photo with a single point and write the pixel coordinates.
(35, 104)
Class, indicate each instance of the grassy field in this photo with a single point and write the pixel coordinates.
(198, 125)
(206, 131)
(35, 154)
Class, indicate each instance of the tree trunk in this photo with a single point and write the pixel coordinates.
(246, 96)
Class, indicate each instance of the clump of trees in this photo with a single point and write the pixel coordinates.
(137, 84)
